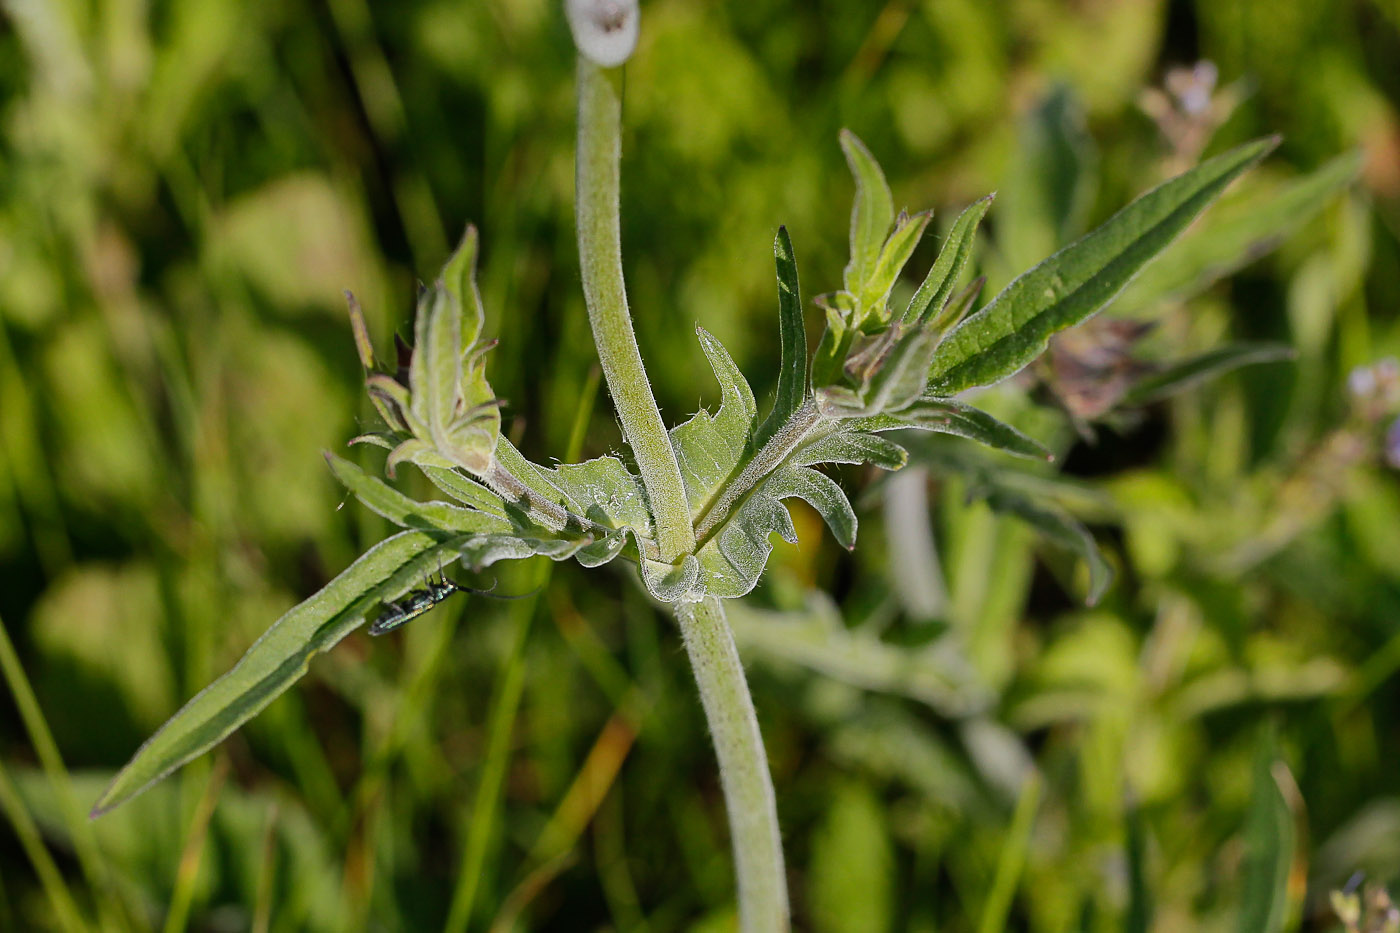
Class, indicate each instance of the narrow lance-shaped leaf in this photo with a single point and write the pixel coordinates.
(1060, 528)
(1237, 233)
(280, 657)
(792, 377)
(1269, 839)
(950, 416)
(942, 278)
(1080, 279)
(875, 293)
(871, 214)
(459, 278)
(363, 347)
(1186, 373)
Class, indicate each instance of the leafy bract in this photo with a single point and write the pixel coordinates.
(709, 448)
(871, 214)
(280, 657)
(942, 277)
(792, 333)
(1014, 328)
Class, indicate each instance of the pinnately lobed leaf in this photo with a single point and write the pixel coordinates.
(280, 657)
(1015, 327)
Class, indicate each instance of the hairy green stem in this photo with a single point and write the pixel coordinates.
(768, 459)
(600, 261)
(743, 766)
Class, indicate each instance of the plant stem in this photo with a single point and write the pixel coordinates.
(743, 766)
(600, 261)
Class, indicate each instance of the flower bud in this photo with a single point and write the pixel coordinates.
(605, 31)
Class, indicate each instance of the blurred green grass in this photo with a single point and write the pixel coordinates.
(185, 189)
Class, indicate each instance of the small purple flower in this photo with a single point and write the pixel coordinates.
(1392, 444)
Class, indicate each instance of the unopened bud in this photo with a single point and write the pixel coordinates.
(605, 31)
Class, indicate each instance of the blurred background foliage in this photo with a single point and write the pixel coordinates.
(957, 742)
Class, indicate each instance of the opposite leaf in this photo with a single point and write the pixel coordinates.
(1071, 285)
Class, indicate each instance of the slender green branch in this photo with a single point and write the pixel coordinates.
(768, 459)
(743, 766)
(600, 259)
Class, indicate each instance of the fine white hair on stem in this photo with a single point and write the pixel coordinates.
(605, 31)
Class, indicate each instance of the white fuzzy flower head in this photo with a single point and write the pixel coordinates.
(605, 31)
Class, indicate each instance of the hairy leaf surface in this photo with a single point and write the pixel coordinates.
(280, 657)
(1014, 328)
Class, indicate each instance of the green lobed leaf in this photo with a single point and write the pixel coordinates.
(942, 278)
(383, 499)
(604, 491)
(1236, 233)
(709, 448)
(1185, 373)
(281, 656)
(1015, 327)
(792, 376)
(872, 212)
(734, 556)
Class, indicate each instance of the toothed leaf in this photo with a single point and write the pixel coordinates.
(605, 492)
(711, 448)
